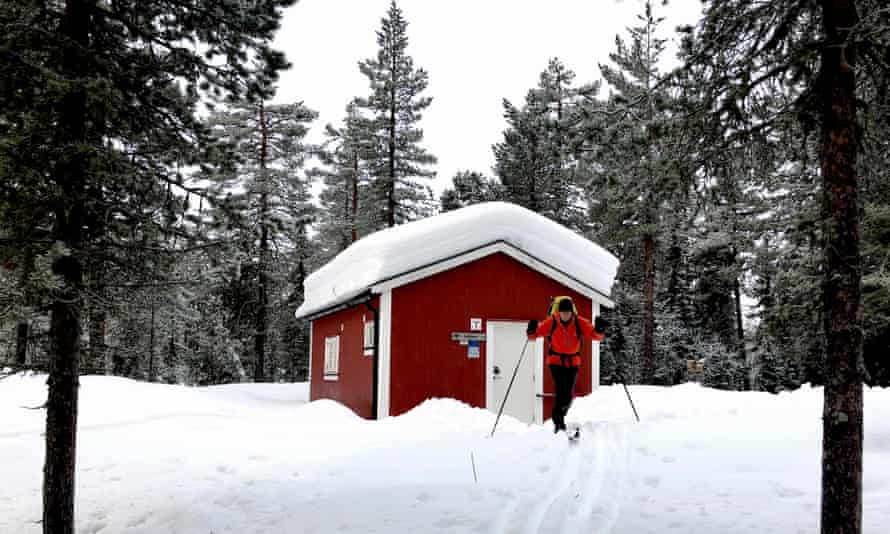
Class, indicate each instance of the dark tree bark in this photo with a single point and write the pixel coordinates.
(21, 343)
(96, 356)
(842, 416)
(353, 215)
(391, 185)
(262, 297)
(648, 309)
(65, 310)
(151, 344)
(23, 326)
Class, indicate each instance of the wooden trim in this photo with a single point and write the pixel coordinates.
(487, 250)
(595, 352)
(384, 354)
(311, 356)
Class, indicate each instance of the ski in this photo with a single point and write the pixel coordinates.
(574, 434)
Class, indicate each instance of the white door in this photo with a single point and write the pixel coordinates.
(504, 342)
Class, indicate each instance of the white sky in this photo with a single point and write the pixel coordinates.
(477, 52)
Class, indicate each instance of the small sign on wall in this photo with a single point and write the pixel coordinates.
(464, 337)
(473, 349)
(476, 324)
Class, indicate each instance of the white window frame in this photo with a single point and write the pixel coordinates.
(368, 338)
(331, 358)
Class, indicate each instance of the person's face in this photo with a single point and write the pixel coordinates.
(565, 315)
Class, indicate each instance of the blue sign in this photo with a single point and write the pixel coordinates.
(473, 349)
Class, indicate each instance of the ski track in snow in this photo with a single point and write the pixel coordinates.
(583, 493)
(567, 475)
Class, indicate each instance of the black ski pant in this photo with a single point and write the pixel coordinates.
(564, 380)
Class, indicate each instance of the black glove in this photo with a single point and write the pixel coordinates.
(600, 325)
(532, 327)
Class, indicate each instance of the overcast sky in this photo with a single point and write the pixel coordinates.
(477, 52)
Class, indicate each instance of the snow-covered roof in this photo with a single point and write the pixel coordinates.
(395, 251)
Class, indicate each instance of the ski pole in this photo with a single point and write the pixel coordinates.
(615, 363)
(507, 394)
(631, 402)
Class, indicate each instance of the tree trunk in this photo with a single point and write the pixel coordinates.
(151, 345)
(354, 215)
(65, 310)
(23, 325)
(95, 361)
(648, 309)
(21, 343)
(842, 412)
(391, 189)
(740, 332)
(262, 297)
(740, 327)
(96, 357)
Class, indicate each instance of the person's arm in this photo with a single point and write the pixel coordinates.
(596, 332)
(536, 329)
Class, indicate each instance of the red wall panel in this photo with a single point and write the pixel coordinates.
(354, 385)
(425, 362)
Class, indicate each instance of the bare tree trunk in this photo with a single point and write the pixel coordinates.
(842, 413)
(261, 315)
(391, 188)
(21, 333)
(96, 356)
(151, 344)
(353, 218)
(65, 310)
(21, 343)
(648, 309)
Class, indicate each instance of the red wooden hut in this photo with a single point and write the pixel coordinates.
(438, 308)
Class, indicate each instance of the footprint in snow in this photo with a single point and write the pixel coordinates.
(94, 527)
(645, 451)
(543, 468)
(669, 459)
(224, 469)
(789, 493)
(424, 497)
(135, 522)
(652, 482)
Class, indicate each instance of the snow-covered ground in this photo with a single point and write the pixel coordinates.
(258, 458)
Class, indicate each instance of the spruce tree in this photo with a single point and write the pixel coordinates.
(348, 211)
(633, 158)
(470, 188)
(537, 162)
(268, 141)
(747, 49)
(111, 92)
(397, 162)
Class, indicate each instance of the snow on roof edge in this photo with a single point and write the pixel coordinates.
(395, 251)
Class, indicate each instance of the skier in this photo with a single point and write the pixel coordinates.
(565, 331)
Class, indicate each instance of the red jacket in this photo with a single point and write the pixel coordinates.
(565, 339)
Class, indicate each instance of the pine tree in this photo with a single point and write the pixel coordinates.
(396, 160)
(746, 49)
(537, 162)
(269, 141)
(633, 159)
(348, 212)
(111, 93)
(470, 188)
